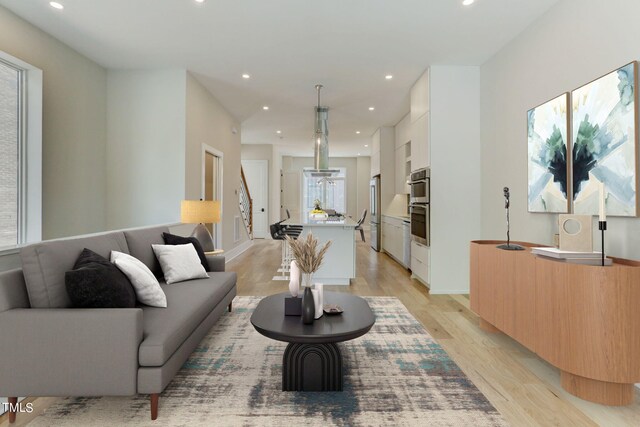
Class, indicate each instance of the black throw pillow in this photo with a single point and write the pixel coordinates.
(95, 282)
(172, 239)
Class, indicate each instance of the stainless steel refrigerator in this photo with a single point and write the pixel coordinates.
(374, 195)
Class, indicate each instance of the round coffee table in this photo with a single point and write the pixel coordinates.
(312, 361)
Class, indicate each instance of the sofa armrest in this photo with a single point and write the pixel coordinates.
(13, 291)
(216, 262)
(69, 352)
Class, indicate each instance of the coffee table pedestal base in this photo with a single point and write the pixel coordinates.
(312, 367)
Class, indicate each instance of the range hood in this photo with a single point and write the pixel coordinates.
(321, 143)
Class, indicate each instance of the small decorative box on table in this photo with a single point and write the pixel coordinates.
(293, 306)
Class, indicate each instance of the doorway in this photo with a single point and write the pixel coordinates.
(257, 174)
(212, 161)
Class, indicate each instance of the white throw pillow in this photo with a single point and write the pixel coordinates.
(179, 262)
(148, 290)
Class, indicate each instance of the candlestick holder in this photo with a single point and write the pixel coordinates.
(602, 226)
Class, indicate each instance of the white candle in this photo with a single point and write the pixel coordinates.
(603, 216)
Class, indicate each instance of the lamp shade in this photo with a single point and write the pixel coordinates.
(200, 211)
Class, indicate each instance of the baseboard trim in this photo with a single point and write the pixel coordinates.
(238, 250)
(419, 279)
(449, 292)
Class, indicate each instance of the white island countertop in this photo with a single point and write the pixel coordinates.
(344, 222)
(339, 265)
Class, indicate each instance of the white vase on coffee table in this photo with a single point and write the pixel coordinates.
(318, 299)
(294, 279)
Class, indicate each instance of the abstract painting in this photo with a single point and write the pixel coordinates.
(547, 136)
(605, 143)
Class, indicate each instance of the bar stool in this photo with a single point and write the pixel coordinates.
(278, 232)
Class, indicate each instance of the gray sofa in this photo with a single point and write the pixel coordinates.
(51, 349)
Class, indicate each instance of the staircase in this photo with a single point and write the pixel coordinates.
(246, 204)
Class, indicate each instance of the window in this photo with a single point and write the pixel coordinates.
(331, 191)
(10, 125)
(20, 152)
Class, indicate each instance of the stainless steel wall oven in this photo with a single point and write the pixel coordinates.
(420, 206)
(420, 186)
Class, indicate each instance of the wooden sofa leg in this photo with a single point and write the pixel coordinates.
(13, 405)
(230, 306)
(154, 405)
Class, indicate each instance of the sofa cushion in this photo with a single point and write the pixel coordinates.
(44, 265)
(188, 304)
(96, 283)
(140, 241)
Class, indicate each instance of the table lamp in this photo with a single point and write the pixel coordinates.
(201, 212)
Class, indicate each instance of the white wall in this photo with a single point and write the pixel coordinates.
(74, 128)
(157, 122)
(276, 161)
(574, 43)
(455, 175)
(208, 122)
(146, 147)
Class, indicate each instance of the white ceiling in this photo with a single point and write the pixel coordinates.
(287, 46)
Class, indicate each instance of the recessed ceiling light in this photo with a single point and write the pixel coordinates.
(468, 2)
(372, 108)
(278, 132)
(246, 76)
(388, 77)
(199, 1)
(56, 5)
(357, 132)
(366, 145)
(266, 107)
(358, 154)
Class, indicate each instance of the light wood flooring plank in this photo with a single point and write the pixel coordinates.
(525, 389)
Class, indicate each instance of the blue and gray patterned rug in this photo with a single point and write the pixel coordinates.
(394, 375)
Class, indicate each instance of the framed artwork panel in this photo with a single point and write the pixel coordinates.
(605, 143)
(549, 186)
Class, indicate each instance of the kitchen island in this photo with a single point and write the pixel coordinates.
(339, 265)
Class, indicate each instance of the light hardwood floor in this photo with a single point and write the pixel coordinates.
(525, 389)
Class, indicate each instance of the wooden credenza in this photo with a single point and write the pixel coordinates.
(583, 319)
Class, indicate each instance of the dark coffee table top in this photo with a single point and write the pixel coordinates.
(356, 320)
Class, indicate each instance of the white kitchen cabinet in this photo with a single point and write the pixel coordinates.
(393, 238)
(420, 262)
(403, 154)
(383, 164)
(387, 233)
(375, 164)
(375, 142)
(420, 97)
(420, 143)
(401, 169)
(403, 131)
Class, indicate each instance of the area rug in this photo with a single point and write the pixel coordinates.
(394, 375)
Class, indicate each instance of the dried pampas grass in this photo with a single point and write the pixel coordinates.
(305, 252)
